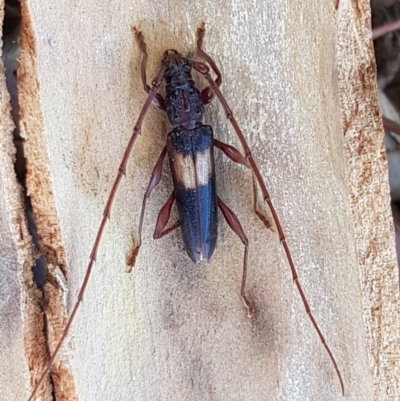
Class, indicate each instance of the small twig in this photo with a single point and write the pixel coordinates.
(391, 126)
(384, 29)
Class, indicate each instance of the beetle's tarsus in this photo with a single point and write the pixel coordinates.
(249, 306)
(139, 38)
(132, 259)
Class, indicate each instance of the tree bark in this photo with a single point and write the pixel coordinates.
(300, 79)
(20, 344)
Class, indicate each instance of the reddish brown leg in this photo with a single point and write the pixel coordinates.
(235, 225)
(154, 180)
(159, 101)
(231, 152)
(163, 218)
(207, 94)
(106, 215)
(205, 71)
(168, 230)
(237, 157)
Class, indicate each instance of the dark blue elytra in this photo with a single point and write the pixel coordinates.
(197, 207)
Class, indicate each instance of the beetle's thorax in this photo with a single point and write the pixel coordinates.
(184, 104)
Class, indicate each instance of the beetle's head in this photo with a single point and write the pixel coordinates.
(177, 67)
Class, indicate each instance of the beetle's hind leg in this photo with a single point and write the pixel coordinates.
(235, 225)
(163, 218)
(158, 101)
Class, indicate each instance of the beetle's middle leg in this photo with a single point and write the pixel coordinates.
(235, 225)
(154, 180)
(237, 157)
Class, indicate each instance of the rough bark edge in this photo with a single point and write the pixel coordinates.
(369, 191)
(39, 187)
(30, 296)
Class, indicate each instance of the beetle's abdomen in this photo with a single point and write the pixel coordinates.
(192, 165)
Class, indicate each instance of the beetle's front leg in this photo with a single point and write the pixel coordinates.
(207, 94)
(158, 101)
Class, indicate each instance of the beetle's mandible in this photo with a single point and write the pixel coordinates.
(190, 148)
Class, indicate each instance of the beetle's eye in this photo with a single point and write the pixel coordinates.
(169, 71)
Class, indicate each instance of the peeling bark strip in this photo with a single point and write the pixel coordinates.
(39, 188)
(19, 309)
(369, 190)
(295, 74)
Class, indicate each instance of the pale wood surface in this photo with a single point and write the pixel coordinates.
(171, 330)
